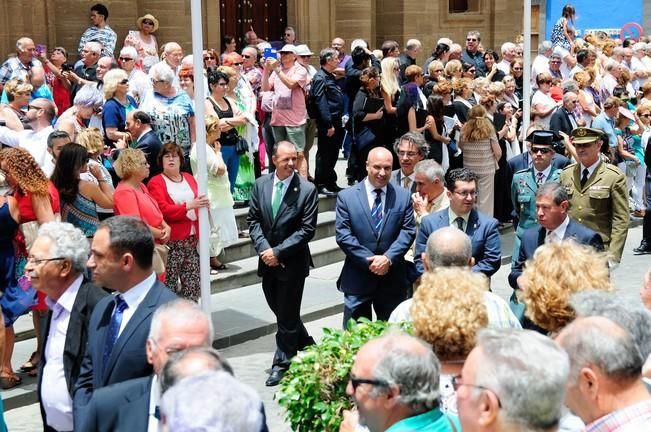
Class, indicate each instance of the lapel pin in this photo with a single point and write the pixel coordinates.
(295, 189)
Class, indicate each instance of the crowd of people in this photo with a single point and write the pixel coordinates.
(99, 223)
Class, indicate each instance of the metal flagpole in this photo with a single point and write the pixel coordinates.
(202, 172)
(526, 79)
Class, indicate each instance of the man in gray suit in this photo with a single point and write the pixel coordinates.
(410, 148)
(282, 220)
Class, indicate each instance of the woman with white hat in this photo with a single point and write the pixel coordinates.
(143, 39)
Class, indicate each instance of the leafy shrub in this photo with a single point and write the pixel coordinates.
(313, 391)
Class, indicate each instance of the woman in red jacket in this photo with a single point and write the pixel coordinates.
(177, 196)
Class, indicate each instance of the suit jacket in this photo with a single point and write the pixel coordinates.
(128, 359)
(290, 231)
(601, 204)
(76, 336)
(151, 145)
(535, 237)
(357, 237)
(396, 180)
(483, 232)
(560, 121)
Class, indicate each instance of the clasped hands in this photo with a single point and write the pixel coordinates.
(378, 264)
(269, 258)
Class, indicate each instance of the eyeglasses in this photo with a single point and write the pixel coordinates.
(36, 107)
(125, 59)
(238, 64)
(517, 68)
(543, 150)
(148, 22)
(246, 56)
(124, 81)
(645, 115)
(456, 384)
(155, 81)
(464, 194)
(471, 40)
(209, 58)
(31, 259)
(355, 382)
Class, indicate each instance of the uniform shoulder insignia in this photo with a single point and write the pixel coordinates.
(522, 171)
(570, 166)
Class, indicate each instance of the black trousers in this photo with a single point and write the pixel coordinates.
(327, 154)
(284, 299)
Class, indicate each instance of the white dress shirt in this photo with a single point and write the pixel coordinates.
(153, 423)
(453, 216)
(558, 234)
(34, 142)
(285, 182)
(591, 168)
(370, 195)
(134, 297)
(55, 398)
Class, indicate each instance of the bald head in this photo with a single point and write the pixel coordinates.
(378, 167)
(447, 247)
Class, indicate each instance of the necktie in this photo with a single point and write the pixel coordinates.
(406, 182)
(540, 178)
(114, 327)
(57, 309)
(376, 211)
(459, 222)
(584, 179)
(550, 237)
(278, 197)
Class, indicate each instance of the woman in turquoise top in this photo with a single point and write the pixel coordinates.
(630, 151)
(79, 197)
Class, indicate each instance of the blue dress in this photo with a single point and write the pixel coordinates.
(8, 227)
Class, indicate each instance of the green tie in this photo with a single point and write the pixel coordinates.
(278, 197)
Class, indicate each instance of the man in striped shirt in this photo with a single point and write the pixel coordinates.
(99, 31)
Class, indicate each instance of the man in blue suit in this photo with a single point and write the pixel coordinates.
(482, 229)
(120, 260)
(374, 227)
(554, 224)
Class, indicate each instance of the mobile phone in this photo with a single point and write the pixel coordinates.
(66, 67)
(270, 53)
(41, 49)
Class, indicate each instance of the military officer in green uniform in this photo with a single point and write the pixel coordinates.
(597, 192)
(525, 182)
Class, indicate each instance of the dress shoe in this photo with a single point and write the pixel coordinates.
(327, 192)
(274, 377)
(643, 249)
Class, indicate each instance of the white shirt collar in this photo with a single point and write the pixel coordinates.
(67, 299)
(591, 168)
(412, 177)
(370, 188)
(286, 182)
(545, 172)
(559, 232)
(134, 296)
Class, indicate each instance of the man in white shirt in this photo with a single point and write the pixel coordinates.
(55, 266)
(132, 405)
(121, 260)
(139, 82)
(40, 113)
(540, 64)
(508, 54)
(608, 84)
(640, 71)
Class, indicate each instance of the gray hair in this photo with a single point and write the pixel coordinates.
(556, 54)
(358, 42)
(68, 242)
(57, 134)
(612, 64)
(191, 362)
(455, 47)
(630, 315)
(161, 71)
(179, 312)
(600, 342)
(431, 169)
(415, 373)
(171, 46)
(94, 47)
(224, 405)
(412, 44)
(555, 189)
(148, 62)
(544, 46)
(20, 43)
(528, 373)
(416, 139)
(475, 33)
(639, 46)
(326, 54)
(618, 51)
(448, 247)
(88, 96)
(507, 46)
(569, 86)
(129, 51)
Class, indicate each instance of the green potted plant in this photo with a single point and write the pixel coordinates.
(313, 391)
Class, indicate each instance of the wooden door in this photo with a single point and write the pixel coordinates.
(268, 18)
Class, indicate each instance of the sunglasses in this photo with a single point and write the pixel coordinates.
(36, 107)
(238, 64)
(125, 59)
(543, 150)
(208, 58)
(246, 56)
(124, 81)
(471, 40)
(645, 115)
(148, 22)
(517, 68)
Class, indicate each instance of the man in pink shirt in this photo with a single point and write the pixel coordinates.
(287, 79)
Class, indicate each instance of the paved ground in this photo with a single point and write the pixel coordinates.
(251, 359)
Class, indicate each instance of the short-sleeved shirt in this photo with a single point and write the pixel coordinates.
(13, 68)
(114, 115)
(289, 104)
(170, 118)
(106, 36)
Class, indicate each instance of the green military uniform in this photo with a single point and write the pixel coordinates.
(602, 203)
(523, 196)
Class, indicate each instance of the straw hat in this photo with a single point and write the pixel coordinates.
(147, 17)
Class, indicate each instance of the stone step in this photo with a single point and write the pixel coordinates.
(243, 247)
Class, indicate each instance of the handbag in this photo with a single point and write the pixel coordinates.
(364, 138)
(242, 146)
(159, 258)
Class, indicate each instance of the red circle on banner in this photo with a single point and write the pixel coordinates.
(631, 30)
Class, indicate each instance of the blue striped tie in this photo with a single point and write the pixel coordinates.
(114, 327)
(376, 211)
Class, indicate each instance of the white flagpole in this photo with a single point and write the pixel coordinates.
(526, 79)
(202, 172)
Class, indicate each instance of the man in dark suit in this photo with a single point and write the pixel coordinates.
(282, 220)
(563, 119)
(482, 229)
(374, 227)
(525, 161)
(130, 405)
(139, 126)
(410, 148)
(121, 260)
(554, 224)
(56, 268)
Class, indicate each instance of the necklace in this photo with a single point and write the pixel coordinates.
(174, 181)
